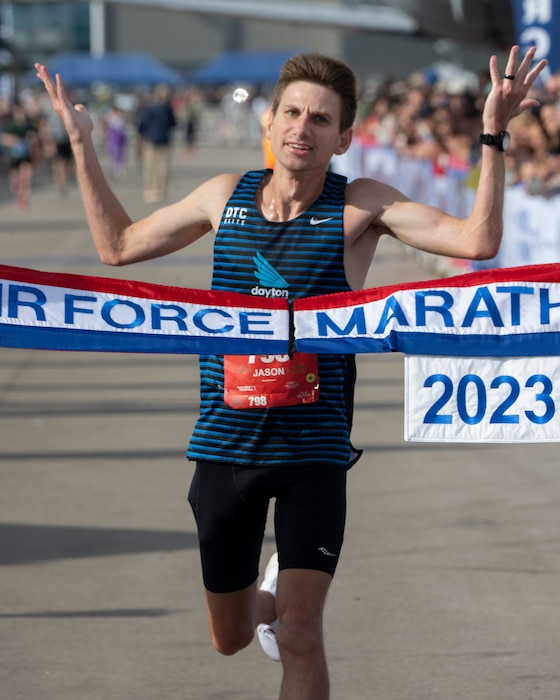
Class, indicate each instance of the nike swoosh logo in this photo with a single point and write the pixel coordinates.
(326, 552)
(315, 222)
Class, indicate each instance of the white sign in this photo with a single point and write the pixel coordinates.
(484, 399)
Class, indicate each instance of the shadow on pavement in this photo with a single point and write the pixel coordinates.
(85, 614)
(27, 544)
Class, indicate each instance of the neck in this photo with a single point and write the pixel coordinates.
(282, 197)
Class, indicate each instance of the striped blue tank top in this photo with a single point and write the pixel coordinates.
(291, 259)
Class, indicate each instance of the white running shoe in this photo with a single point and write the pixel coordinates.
(267, 633)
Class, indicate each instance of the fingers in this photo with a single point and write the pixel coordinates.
(55, 89)
(536, 70)
(45, 77)
(59, 86)
(493, 70)
(508, 97)
(526, 73)
(42, 72)
(512, 72)
(527, 61)
(512, 60)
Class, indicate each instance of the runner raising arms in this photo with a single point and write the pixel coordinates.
(301, 231)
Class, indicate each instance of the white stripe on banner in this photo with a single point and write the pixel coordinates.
(491, 399)
(51, 311)
(501, 312)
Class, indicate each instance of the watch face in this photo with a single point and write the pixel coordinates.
(505, 140)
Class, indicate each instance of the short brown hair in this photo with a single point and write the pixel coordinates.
(322, 70)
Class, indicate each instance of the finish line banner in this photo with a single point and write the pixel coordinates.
(51, 311)
(509, 312)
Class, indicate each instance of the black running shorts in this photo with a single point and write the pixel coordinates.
(230, 506)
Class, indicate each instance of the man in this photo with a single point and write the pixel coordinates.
(20, 138)
(301, 231)
(156, 122)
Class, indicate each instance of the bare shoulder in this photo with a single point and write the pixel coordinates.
(219, 188)
(366, 202)
(365, 221)
(209, 199)
(372, 195)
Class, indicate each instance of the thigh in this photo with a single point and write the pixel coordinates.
(310, 517)
(230, 513)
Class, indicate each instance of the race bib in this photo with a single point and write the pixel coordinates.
(268, 381)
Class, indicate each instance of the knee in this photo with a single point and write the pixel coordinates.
(300, 637)
(229, 644)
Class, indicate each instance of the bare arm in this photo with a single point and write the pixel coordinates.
(118, 239)
(375, 208)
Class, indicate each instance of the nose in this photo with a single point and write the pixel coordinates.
(302, 123)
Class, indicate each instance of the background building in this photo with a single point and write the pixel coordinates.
(185, 39)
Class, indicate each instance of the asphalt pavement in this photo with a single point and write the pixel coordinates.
(449, 583)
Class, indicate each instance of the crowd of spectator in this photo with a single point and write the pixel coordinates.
(419, 117)
(423, 118)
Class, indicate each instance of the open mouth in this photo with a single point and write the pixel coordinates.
(299, 147)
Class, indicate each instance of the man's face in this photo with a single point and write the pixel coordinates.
(305, 131)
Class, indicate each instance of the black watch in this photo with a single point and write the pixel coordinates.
(500, 141)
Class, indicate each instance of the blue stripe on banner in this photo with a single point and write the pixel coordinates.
(40, 338)
(521, 345)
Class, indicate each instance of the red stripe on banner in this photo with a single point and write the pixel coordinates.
(145, 290)
(549, 272)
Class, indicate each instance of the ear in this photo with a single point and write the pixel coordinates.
(344, 141)
(268, 125)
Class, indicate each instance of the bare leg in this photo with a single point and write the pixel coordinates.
(20, 182)
(299, 604)
(300, 601)
(233, 617)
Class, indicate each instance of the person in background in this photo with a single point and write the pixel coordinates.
(191, 117)
(117, 141)
(20, 140)
(56, 148)
(155, 126)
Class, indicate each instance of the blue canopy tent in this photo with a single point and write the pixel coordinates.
(112, 68)
(253, 67)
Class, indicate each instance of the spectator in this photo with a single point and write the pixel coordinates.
(57, 148)
(20, 139)
(156, 123)
(438, 123)
(191, 118)
(116, 140)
